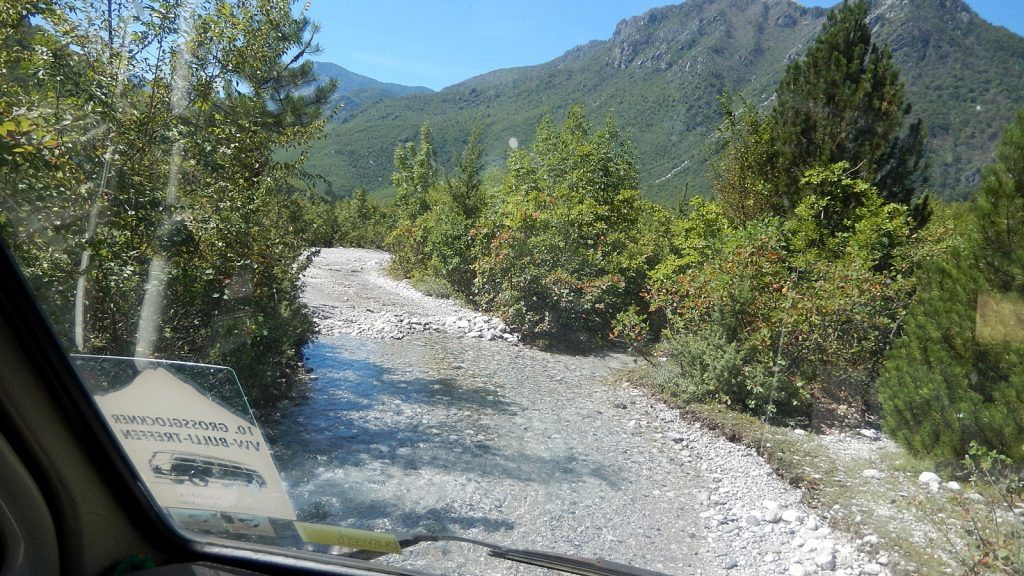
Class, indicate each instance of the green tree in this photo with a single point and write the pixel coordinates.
(1000, 209)
(186, 241)
(744, 174)
(563, 253)
(821, 195)
(437, 212)
(466, 186)
(843, 101)
(416, 172)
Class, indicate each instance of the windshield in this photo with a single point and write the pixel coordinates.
(719, 286)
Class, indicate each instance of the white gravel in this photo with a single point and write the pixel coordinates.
(624, 477)
(349, 293)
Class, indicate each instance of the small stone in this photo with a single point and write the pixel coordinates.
(871, 473)
(976, 497)
(929, 478)
(953, 485)
(772, 515)
(799, 432)
(870, 434)
(811, 525)
(751, 520)
(791, 515)
(870, 539)
(474, 334)
(825, 561)
(796, 570)
(871, 569)
(882, 560)
(731, 563)
(675, 437)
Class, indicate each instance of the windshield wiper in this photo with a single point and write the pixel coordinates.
(550, 560)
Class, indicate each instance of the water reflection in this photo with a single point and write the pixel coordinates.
(419, 434)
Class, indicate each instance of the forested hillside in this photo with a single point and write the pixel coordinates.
(661, 73)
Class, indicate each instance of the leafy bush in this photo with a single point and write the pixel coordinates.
(703, 366)
(564, 252)
(448, 246)
(807, 305)
(732, 301)
(431, 286)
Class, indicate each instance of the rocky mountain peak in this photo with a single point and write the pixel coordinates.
(699, 30)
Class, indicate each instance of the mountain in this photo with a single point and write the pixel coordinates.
(355, 90)
(660, 75)
(964, 76)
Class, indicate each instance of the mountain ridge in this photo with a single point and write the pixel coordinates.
(661, 73)
(356, 90)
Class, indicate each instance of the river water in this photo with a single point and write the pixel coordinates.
(482, 439)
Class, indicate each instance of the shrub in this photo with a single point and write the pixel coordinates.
(809, 303)
(992, 541)
(564, 252)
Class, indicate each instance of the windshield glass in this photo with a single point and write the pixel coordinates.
(724, 285)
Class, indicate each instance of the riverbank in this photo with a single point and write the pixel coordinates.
(904, 516)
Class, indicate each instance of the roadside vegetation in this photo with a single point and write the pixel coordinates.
(137, 161)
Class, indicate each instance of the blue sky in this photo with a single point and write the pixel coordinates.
(436, 44)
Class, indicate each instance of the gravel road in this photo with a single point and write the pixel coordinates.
(414, 422)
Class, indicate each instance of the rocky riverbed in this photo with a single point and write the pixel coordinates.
(426, 415)
(349, 294)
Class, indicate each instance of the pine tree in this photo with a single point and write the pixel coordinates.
(953, 378)
(844, 102)
(924, 387)
(466, 187)
(1000, 208)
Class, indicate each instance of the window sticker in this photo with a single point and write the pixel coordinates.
(193, 449)
(1000, 318)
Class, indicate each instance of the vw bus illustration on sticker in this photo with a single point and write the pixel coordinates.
(200, 470)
